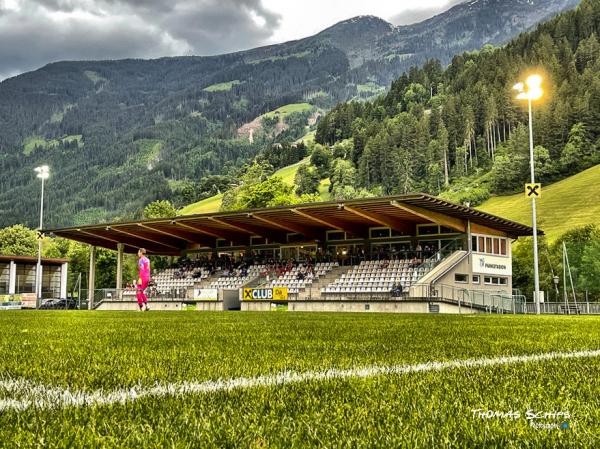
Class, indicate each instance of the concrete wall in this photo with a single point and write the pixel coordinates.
(358, 306)
(132, 305)
(209, 306)
(255, 306)
(464, 267)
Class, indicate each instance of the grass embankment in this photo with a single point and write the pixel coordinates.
(213, 204)
(572, 202)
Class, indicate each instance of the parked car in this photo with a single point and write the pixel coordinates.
(48, 304)
(59, 304)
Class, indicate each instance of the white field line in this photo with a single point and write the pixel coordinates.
(29, 394)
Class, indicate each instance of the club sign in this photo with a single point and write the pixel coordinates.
(272, 294)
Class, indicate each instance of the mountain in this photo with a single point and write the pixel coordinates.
(461, 133)
(119, 134)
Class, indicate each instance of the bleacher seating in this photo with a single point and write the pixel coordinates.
(238, 277)
(302, 276)
(377, 276)
(175, 278)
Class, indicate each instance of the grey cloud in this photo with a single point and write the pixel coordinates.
(44, 31)
(222, 26)
(416, 15)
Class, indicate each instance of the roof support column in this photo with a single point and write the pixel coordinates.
(64, 268)
(119, 283)
(92, 278)
(12, 278)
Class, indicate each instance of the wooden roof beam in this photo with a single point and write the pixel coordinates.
(381, 220)
(289, 227)
(271, 234)
(436, 217)
(182, 235)
(146, 239)
(229, 236)
(333, 224)
(101, 237)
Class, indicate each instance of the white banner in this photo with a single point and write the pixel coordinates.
(486, 264)
(206, 294)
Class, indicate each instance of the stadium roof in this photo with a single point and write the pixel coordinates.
(30, 260)
(171, 236)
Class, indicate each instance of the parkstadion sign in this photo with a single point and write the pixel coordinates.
(268, 294)
(486, 264)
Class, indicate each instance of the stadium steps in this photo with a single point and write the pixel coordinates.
(209, 280)
(443, 267)
(314, 292)
(253, 282)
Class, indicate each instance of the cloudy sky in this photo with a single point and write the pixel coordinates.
(35, 32)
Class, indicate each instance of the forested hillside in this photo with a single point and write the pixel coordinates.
(460, 133)
(120, 134)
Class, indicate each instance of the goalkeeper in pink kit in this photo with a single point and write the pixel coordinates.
(143, 279)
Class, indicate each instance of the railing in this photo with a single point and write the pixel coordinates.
(348, 296)
(560, 308)
(434, 260)
(490, 301)
(124, 294)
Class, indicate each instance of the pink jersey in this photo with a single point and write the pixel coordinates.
(144, 266)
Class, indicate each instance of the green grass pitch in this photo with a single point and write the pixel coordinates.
(99, 353)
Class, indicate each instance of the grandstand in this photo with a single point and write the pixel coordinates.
(378, 253)
(237, 278)
(378, 276)
(302, 276)
(173, 278)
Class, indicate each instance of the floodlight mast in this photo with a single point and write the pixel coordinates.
(531, 90)
(43, 173)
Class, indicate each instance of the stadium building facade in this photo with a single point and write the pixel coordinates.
(17, 279)
(409, 253)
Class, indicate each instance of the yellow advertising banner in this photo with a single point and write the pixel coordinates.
(271, 294)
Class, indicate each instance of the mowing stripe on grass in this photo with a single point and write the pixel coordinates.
(27, 394)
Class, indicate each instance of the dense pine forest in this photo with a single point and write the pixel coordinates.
(120, 134)
(459, 131)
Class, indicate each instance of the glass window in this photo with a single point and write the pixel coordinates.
(4, 278)
(51, 281)
(295, 238)
(476, 279)
(461, 278)
(488, 245)
(489, 280)
(496, 246)
(258, 241)
(428, 229)
(503, 247)
(481, 247)
(474, 244)
(445, 230)
(336, 235)
(380, 233)
(25, 278)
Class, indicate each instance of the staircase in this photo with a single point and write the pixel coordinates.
(314, 292)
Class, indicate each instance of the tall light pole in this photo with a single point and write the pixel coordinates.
(43, 173)
(531, 90)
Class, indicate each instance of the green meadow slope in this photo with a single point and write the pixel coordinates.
(288, 174)
(572, 202)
